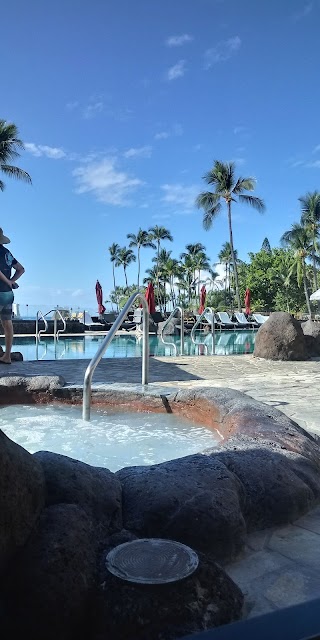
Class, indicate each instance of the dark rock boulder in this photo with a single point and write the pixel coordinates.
(194, 500)
(127, 611)
(22, 496)
(311, 331)
(16, 356)
(171, 329)
(17, 389)
(47, 590)
(281, 338)
(96, 490)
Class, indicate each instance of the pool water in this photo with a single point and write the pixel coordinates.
(128, 346)
(111, 440)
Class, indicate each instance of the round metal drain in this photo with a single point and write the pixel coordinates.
(152, 561)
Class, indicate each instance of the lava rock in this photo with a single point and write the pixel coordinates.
(194, 500)
(171, 328)
(16, 356)
(281, 338)
(22, 497)
(47, 590)
(311, 332)
(127, 611)
(96, 490)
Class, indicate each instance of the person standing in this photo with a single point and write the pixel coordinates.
(7, 283)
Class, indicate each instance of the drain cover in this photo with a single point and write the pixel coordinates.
(152, 561)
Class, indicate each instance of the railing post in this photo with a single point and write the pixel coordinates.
(86, 403)
(182, 331)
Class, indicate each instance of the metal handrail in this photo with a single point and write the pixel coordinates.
(172, 344)
(86, 403)
(213, 329)
(56, 332)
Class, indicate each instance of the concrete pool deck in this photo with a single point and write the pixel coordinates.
(280, 567)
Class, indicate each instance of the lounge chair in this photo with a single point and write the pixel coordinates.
(136, 321)
(259, 318)
(243, 322)
(226, 320)
(90, 323)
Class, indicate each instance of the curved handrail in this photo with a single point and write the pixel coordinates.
(55, 324)
(86, 403)
(213, 329)
(40, 331)
(172, 344)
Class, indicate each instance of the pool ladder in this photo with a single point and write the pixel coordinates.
(208, 315)
(86, 403)
(172, 344)
(56, 331)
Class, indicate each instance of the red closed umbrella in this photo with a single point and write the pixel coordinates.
(150, 298)
(101, 308)
(247, 300)
(203, 295)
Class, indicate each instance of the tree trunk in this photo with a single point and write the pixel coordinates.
(315, 275)
(125, 275)
(138, 267)
(114, 282)
(235, 271)
(158, 283)
(225, 286)
(306, 288)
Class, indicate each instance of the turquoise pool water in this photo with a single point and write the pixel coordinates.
(73, 348)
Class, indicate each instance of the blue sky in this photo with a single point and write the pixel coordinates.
(124, 105)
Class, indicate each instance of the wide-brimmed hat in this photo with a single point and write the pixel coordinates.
(4, 239)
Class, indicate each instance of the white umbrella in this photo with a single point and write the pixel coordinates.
(315, 295)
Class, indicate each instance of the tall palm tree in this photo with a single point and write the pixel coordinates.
(225, 257)
(157, 235)
(124, 258)
(310, 219)
(230, 189)
(298, 240)
(114, 251)
(196, 253)
(142, 239)
(10, 145)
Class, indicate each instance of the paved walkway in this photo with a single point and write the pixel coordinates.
(292, 387)
(279, 567)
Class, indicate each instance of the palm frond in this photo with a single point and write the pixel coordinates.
(244, 184)
(2, 186)
(207, 200)
(15, 172)
(209, 216)
(253, 201)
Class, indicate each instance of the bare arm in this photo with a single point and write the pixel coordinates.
(19, 271)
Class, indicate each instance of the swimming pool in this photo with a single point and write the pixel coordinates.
(129, 346)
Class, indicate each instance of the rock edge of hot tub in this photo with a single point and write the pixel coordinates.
(265, 473)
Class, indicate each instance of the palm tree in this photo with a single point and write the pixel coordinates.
(229, 189)
(114, 251)
(310, 219)
(10, 145)
(266, 246)
(159, 234)
(124, 258)
(225, 257)
(197, 255)
(298, 240)
(142, 239)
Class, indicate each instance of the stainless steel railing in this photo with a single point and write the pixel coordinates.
(172, 344)
(56, 331)
(86, 403)
(207, 314)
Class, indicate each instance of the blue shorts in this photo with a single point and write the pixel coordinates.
(6, 300)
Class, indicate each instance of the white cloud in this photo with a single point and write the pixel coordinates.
(178, 41)
(316, 149)
(177, 71)
(180, 195)
(175, 130)
(77, 293)
(39, 150)
(71, 106)
(305, 11)
(239, 129)
(222, 52)
(138, 152)
(92, 109)
(161, 216)
(314, 165)
(162, 135)
(106, 182)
